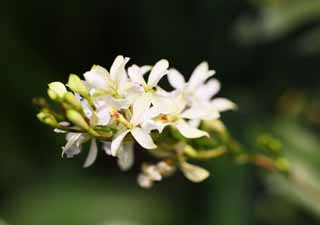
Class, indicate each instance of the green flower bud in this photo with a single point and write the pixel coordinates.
(47, 118)
(77, 85)
(56, 90)
(282, 164)
(72, 102)
(76, 118)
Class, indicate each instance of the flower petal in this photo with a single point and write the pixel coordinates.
(207, 91)
(71, 148)
(150, 125)
(188, 131)
(200, 74)
(140, 106)
(143, 138)
(157, 72)
(116, 142)
(117, 70)
(97, 77)
(194, 173)
(110, 102)
(223, 104)
(103, 116)
(176, 79)
(125, 156)
(136, 73)
(144, 181)
(106, 146)
(92, 155)
(202, 112)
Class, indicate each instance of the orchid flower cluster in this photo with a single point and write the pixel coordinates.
(125, 105)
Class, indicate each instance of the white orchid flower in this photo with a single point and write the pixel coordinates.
(197, 92)
(111, 87)
(158, 71)
(174, 112)
(133, 127)
(75, 140)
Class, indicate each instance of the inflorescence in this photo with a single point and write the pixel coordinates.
(120, 107)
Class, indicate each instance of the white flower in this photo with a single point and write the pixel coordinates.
(75, 140)
(73, 145)
(173, 112)
(197, 92)
(110, 88)
(133, 126)
(159, 70)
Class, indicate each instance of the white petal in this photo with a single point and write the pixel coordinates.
(162, 93)
(223, 104)
(108, 101)
(194, 123)
(143, 138)
(188, 131)
(106, 147)
(157, 72)
(194, 173)
(144, 181)
(117, 70)
(136, 74)
(140, 106)
(200, 74)
(201, 112)
(72, 139)
(103, 116)
(86, 108)
(125, 156)
(166, 105)
(97, 77)
(152, 172)
(92, 155)
(176, 79)
(207, 91)
(116, 142)
(150, 125)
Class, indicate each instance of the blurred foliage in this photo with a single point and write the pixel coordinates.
(266, 54)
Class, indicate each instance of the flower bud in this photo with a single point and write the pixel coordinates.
(282, 164)
(56, 90)
(72, 102)
(77, 85)
(144, 181)
(194, 173)
(47, 118)
(77, 119)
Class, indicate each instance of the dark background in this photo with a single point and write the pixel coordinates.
(266, 54)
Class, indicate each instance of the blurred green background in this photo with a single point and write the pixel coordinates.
(267, 55)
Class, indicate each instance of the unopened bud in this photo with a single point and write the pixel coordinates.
(77, 85)
(47, 118)
(144, 181)
(282, 164)
(76, 118)
(56, 90)
(72, 102)
(194, 173)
